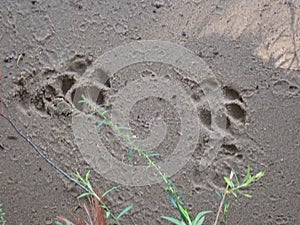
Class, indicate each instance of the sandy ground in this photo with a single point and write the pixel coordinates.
(252, 48)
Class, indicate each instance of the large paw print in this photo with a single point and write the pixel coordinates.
(225, 129)
(60, 94)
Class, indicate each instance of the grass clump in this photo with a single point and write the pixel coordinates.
(235, 187)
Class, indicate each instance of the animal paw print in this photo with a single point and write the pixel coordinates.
(224, 112)
(235, 109)
(62, 92)
(285, 89)
(51, 97)
(223, 147)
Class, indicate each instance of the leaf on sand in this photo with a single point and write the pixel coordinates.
(124, 211)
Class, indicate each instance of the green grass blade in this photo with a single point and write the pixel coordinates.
(234, 194)
(100, 125)
(124, 211)
(106, 111)
(170, 183)
(173, 220)
(199, 219)
(228, 182)
(220, 196)
(172, 199)
(247, 195)
(84, 195)
(248, 175)
(236, 178)
(87, 182)
(109, 190)
(184, 213)
(79, 177)
(87, 175)
(200, 222)
(259, 175)
(84, 99)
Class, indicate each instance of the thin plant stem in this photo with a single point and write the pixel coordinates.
(131, 143)
(37, 149)
(222, 201)
(220, 207)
